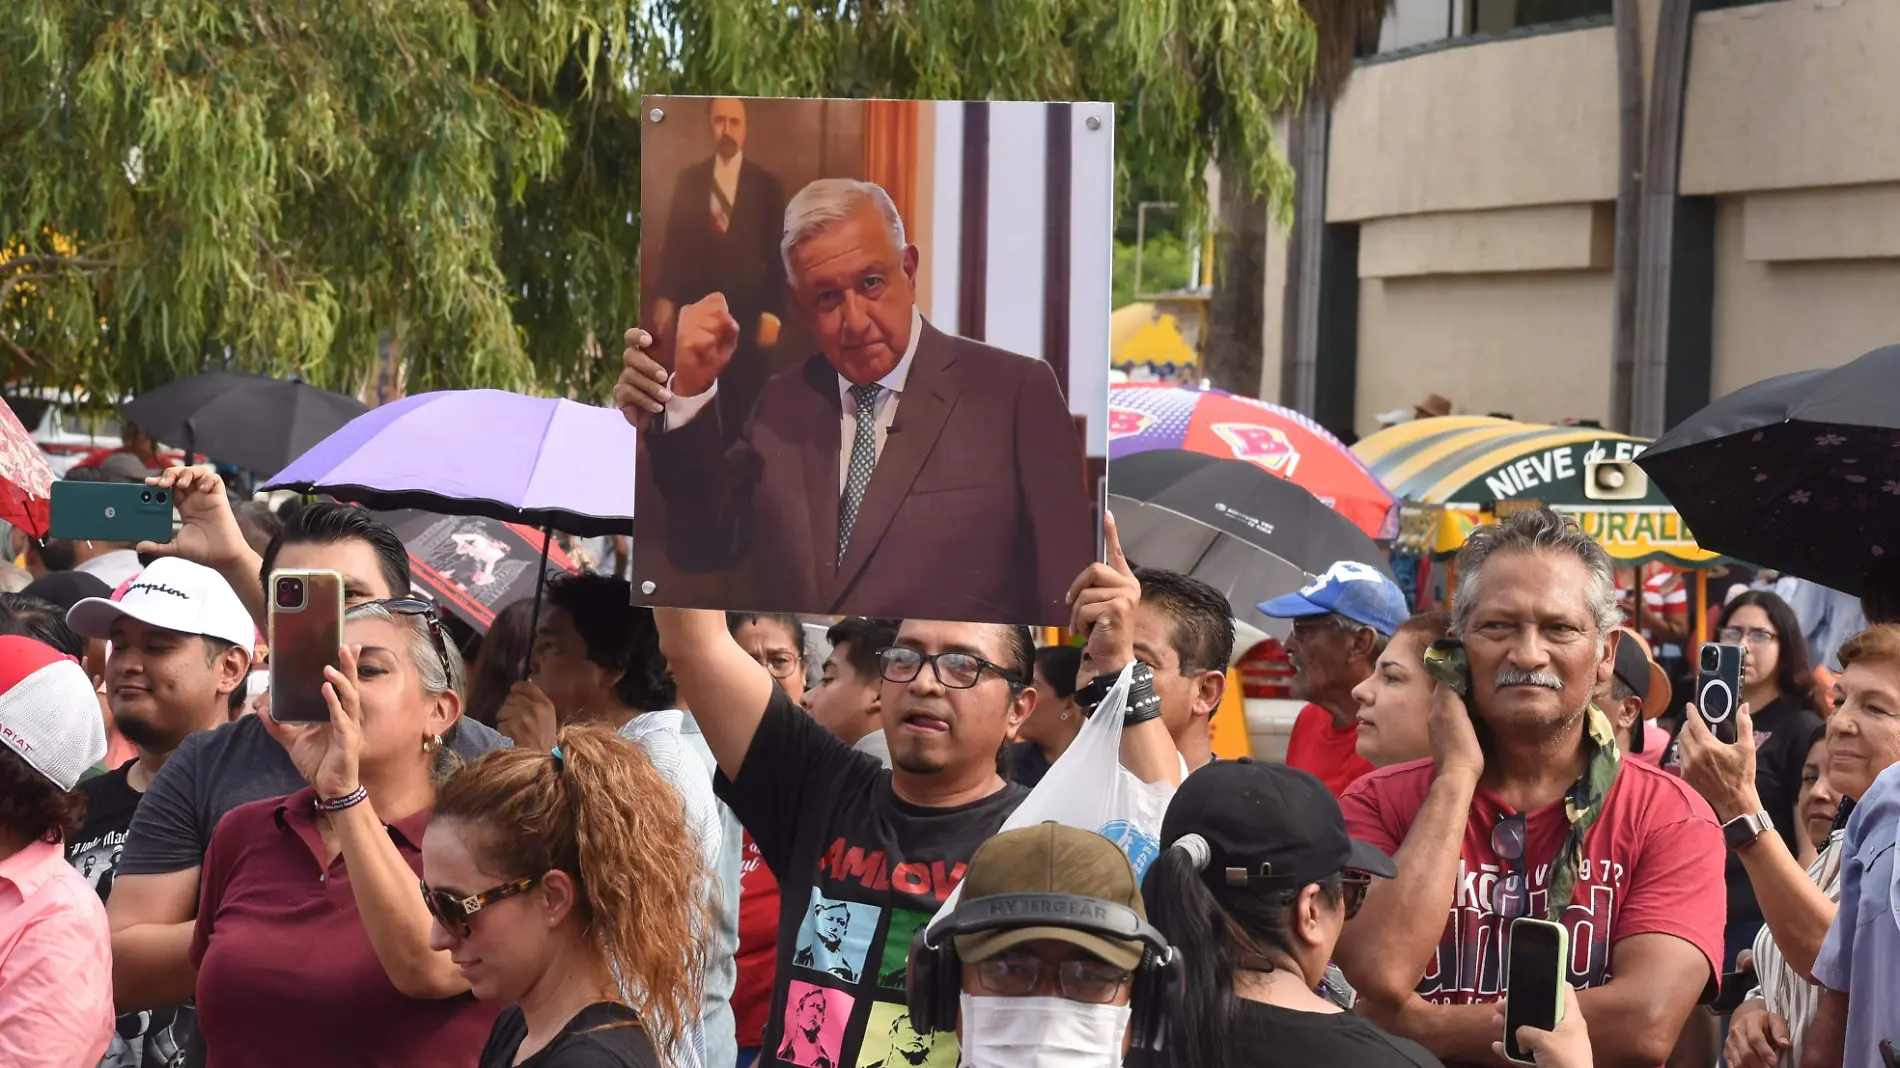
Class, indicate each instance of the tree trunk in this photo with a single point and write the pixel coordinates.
(1231, 354)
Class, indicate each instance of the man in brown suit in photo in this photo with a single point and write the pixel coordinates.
(900, 471)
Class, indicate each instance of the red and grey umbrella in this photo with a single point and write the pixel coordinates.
(1279, 441)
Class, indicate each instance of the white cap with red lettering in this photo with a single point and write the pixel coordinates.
(49, 712)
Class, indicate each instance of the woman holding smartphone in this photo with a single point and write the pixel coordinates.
(312, 944)
(1256, 883)
(561, 881)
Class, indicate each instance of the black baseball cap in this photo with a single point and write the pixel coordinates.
(1268, 827)
(67, 588)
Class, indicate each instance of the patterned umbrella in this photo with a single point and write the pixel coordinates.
(1143, 416)
(470, 565)
(26, 482)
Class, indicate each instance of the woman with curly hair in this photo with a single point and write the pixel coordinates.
(55, 957)
(561, 881)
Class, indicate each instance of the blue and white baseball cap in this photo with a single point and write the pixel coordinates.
(1360, 592)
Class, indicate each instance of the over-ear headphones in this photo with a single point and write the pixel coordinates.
(936, 972)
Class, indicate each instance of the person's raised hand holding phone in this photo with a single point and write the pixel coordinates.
(208, 532)
(1723, 774)
(328, 755)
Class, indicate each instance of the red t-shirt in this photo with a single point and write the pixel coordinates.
(758, 946)
(1328, 752)
(1653, 866)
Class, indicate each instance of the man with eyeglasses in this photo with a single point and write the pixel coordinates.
(1043, 961)
(835, 827)
(1529, 809)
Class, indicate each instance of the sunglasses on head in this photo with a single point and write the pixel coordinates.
(453, 912)
(416, 606)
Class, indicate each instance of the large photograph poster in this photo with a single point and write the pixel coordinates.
(887, 325)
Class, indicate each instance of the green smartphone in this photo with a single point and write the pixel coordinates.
(128, 512)
(1533, 981)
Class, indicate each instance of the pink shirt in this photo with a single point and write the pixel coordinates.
(55, 963)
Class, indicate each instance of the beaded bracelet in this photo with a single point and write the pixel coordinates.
(353, 798)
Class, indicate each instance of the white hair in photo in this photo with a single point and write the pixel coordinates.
(828, 200)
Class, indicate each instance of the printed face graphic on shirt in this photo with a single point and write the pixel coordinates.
(890, 1042)
(892, 973)
(836, 937)
(815, 1019)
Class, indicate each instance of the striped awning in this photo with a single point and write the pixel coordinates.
(1465, 464)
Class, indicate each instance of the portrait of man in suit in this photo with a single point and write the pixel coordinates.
(722, 236)
(899, 471)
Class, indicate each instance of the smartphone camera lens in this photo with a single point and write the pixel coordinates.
(146, 496)
(1711, 658)
(290, 593)
(162, 498)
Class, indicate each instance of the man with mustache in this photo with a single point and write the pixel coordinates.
(1529, 809)
(722, 236)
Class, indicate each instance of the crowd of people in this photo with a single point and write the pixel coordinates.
(689, 839)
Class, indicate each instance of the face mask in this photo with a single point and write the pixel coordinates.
(1041, 1033)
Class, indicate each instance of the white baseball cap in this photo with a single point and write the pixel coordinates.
(175, 595)
(49, 713)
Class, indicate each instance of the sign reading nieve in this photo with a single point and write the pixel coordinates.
(1554, 465)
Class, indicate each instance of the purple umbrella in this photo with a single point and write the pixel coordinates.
(537, 461)
(541, 462)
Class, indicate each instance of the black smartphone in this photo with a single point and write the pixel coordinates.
(306, 634)
(122, 512)
(1533, 981)
(1735, 988)
(1718, 688)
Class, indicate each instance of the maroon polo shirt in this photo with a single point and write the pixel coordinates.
(286, 973)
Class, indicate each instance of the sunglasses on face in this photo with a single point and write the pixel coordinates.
(1087, 981)
(453, 912)
(1353, 886)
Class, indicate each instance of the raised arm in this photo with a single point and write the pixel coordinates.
(1796, 910)
(1103, 598)
(1386, 948)
(724, 687)
(381, 880)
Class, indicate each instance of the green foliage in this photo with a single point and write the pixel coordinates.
(277, 186)
(1165, 266)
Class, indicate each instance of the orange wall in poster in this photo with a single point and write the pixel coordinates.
(890, 151)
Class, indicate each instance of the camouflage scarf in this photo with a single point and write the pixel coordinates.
(1583, 805)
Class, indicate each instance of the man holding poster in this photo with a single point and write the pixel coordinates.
(900, 471)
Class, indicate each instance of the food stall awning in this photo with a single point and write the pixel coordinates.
(1461, 466)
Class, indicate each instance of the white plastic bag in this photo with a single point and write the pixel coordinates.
(1087, 787)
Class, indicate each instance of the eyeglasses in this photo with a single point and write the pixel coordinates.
(1510, 898)
(781, 665)
(453, 912)
(1755, 636)
(415, 606)
(1088, 981)
(1352, 887)
(957, 671)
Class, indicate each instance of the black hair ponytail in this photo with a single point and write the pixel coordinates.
(1182, 908)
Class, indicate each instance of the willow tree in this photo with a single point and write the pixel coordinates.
(284, 185)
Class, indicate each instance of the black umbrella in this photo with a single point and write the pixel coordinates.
(262, 426)
(1228, 523)
(1799, 473)
(163, 412)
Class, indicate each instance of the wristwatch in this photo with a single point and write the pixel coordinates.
(1742, 830)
